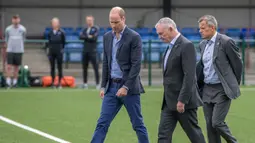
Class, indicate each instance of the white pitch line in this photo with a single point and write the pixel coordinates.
(32, 130)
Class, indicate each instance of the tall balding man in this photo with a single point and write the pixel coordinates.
(121, 83)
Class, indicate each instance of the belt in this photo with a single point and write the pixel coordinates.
(116, 80)
(212, 84)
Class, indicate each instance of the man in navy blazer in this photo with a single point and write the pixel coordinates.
(121, 83)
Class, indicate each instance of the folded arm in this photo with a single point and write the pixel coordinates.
(88, 37)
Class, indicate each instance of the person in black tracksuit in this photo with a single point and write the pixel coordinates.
(56, 47)
(89, 35)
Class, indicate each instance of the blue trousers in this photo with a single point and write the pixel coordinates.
(111, 106)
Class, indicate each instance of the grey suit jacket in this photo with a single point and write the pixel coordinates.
(179, 77)
(227, 64)
(129, 56)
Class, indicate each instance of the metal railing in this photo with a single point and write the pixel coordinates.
(243, 44)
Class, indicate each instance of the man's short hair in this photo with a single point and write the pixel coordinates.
(90, 16)
(211, 20)
(15, 16)
(167, 22)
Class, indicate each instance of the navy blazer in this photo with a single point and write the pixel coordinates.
(128, 56)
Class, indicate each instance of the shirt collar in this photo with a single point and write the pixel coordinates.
(15, 27)
(213, 39)
(175, 38)
(55, 31)
(120, 32)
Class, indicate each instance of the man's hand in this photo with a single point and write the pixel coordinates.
(180, 107)
(90, 36)
(122, 92)
(101, 93)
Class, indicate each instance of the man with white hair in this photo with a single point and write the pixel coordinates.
(181, 98)
(219, 74)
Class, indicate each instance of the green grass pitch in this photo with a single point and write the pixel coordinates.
(71, 114)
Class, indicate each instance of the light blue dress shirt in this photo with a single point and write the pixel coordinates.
(210, 76)
(115, 68)
(170, 48)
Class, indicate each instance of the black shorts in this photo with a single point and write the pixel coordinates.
(14, 59)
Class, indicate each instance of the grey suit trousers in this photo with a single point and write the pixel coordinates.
(216, 107)
(188, 121)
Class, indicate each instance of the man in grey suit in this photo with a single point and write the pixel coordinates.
(121, 83)
(181, 98)
(219, 74)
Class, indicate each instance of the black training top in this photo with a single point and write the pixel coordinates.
(57, 41)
